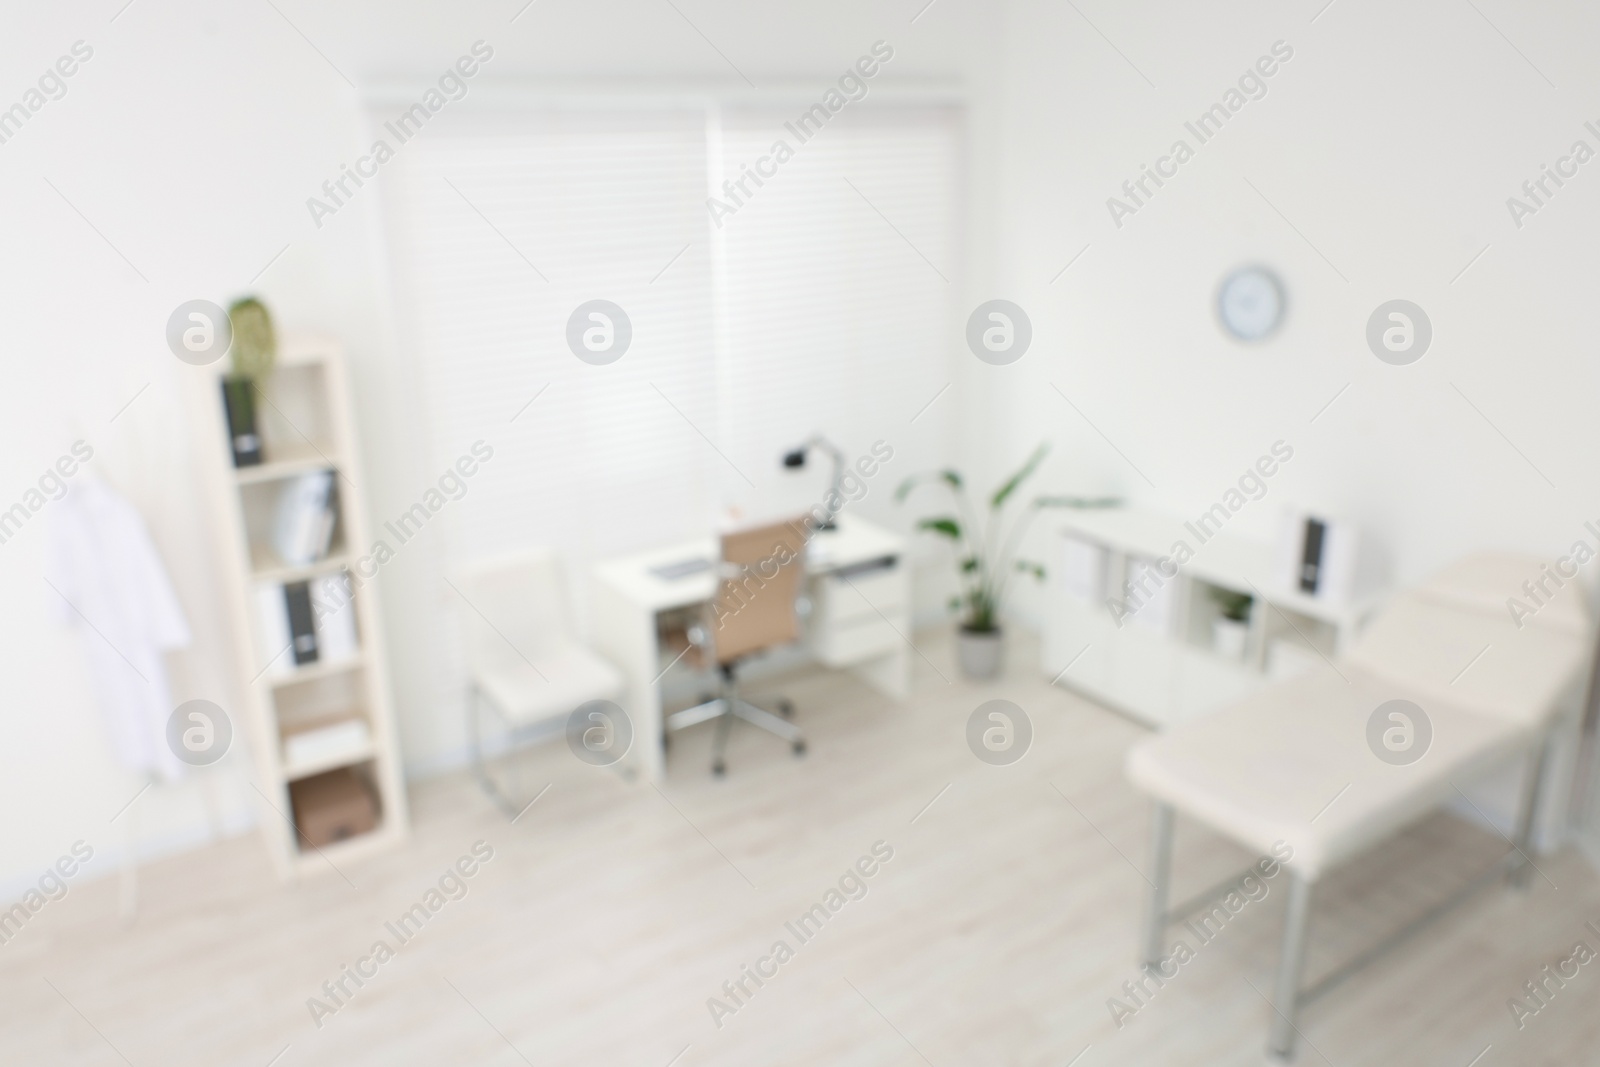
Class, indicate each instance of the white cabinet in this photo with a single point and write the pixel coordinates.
(1131, 628)
(860, 613)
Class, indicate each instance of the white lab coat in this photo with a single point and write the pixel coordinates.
(114, 588)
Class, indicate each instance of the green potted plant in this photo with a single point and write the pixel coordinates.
(1232, 624)
(254, 351)
(986, 555)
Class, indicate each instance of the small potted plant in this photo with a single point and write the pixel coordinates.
(254, 351)
(986, 556)
(1232, 624)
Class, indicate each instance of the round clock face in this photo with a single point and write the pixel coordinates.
(1250, 303)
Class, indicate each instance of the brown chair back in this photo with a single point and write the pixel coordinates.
(763, 572)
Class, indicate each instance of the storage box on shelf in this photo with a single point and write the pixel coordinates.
(1156, 654)
(320, 722)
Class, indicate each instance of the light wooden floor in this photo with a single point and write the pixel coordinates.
(611, 912)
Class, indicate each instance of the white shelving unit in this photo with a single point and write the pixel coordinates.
(305, 422)
(1162, 667)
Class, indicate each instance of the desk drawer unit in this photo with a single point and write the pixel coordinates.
(859, 612)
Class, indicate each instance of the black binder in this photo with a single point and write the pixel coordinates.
(302, 625)
(1311, 555)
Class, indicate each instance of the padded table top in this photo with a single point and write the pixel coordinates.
(1293, 762)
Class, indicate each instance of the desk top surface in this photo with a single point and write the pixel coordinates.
(855, 541)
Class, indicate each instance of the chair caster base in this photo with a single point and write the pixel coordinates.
(786, 708)
(719, 769)
(799, 748)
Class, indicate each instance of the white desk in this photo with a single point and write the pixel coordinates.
(860, 589)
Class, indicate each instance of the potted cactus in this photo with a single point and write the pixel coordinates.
(986, 555)
(254, 351)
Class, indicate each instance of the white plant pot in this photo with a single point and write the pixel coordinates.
(1228, 638)
(981, 653)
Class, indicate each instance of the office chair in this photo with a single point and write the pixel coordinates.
(523, 664)
(756, 607)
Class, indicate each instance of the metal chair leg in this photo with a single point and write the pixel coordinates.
(719, 742)
(1291, 964)
(1528, 813)
(705, 710)
(766, 720)
(480, 769)
(480, 766)
(1155, 909)
(723, 708)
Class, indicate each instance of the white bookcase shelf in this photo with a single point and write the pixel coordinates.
(296, 459)
(1161, 664)
(355, 754)
(313, 672)
(305, 423)
(267, 568)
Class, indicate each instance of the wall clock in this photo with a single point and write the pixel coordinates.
(1250, 303)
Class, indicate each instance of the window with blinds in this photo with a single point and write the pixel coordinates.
(824, 304)
(835, 290)
(499, 230)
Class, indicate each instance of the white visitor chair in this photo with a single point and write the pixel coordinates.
(524, 666)
(1292, 764)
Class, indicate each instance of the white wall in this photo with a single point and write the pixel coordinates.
(1390, 141)
(191, 141)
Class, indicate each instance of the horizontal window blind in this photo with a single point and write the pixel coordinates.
(835, 290)
(500, 228)
(823, 304)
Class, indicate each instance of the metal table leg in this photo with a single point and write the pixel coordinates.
(1155, 913)
(1528, 812)
(1291, 963)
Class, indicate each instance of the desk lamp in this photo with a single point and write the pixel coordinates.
(796, 458)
